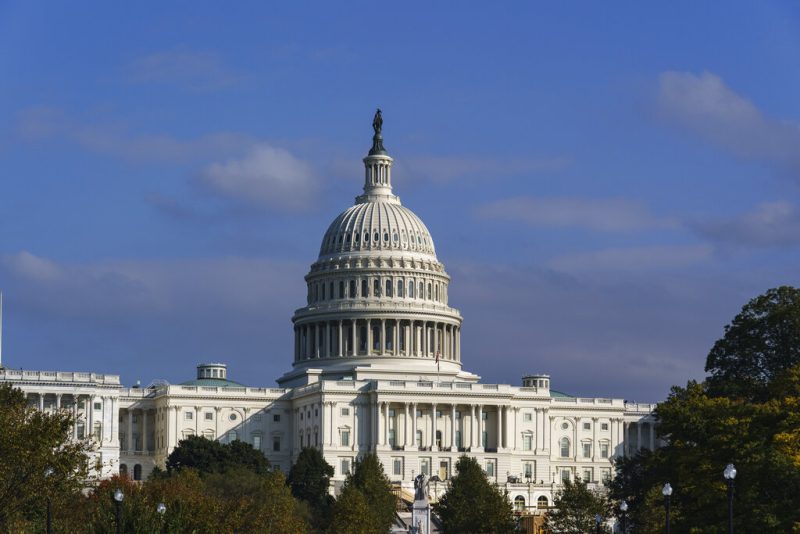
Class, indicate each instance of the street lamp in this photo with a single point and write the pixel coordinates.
(47, 473)
(623, 507)
(162, 509)
(597, 520)
(730, 474)
(118, 496)
(666, 491)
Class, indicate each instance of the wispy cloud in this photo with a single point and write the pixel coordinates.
(445, 169)
(266, 176)
(770, 224)
(200, 70)
(634, 259)
(604, 215)
(705, 105)
(115, 140)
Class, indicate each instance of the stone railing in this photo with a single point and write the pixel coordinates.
(15, 375)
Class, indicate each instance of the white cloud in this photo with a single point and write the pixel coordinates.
(706, 105)
(606, 215)
(193, 69)
(633, 259)
(769, 224)
(266, 176)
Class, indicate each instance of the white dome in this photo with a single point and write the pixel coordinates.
(374, 226)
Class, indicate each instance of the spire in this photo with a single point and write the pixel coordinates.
(378, 165)
(377, 139)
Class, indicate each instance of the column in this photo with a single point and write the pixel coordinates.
(74, 417)
(197, 424)
(499, 427)
(357, 433)
(453, 444)
(414, 424)
(577, 424)
(339, 339)
(639, 435)
(386, 425)
(41, 402)
(594, 439)
(90, 415)
(354, 344)
(406, 426)
(433, 426)
(216, 422)
(369, 336)
(458, 344)
(382, 344)
(652, 436)
(479, 428)
(296, 350)
(58, 401)
(396, 343)
(537, 434)
(145, 446)
(516, 427)
(379, 418)
(436, 339)
(130, 446)
(547, 420)
(328, 343)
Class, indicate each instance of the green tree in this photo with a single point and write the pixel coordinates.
(574, 509)
(472, 505)
(370, 480)
(210, 456)
(351, 514)
(32, 444)
(761, 342)
(309, 479)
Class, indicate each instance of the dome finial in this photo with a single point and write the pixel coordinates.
(377, 139)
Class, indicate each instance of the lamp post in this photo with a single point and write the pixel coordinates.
(597, 520)
(162, 509)
(47, 473)
(118, 496)
(666, 491)
(623, 507)
(730, 474)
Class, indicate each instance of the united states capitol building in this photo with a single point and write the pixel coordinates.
(377, 367)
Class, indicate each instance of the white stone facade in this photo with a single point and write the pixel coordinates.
(376, 368)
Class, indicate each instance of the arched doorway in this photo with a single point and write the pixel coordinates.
(541, 502)
(519, 503)
(123, 470)
(137, 472)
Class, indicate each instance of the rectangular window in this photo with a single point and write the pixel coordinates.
(397, 467)
(604, 426)
(425, 466)
(257, 442)
(345, 434)
(98, 405)
(438, 413)
(587, 426)
(484, 416)
(527, 417)
(345, 466)
(605, 474)
(419, 438)
(485, 439)
(345, 412)
(391, 412)
(419, 413)
(587, 450)
(276, 418)
(257, 417)
(209, 416)
(604, 450)
(489, 468)
(565, 475)
(188, 416)
(276, 444)
(392, 440)
(458, 414)
(527, 442)
(587, 475)
(135, 419)
(528, 470)
(459, 443)
(400, 287)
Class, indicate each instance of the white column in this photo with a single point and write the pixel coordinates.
(548, 422)
(433, 426)
(396, 343)
(386, 425)
(499, 427)
(328, 344)
(594, 439)
(357, 433)
(216, 422)
(516, 427)
(341, 331)
(145, 447)
(130, 446)
(471, 427)
(379, 418)
(639, 435)
(406, 428)
(41, 402)
(414, 425)
(354, 346)
(90, 415)
(480, 429)
(382, 345)
(453, 445)
(75, 417)
(58, 401)
(369, 336)
(575, 450)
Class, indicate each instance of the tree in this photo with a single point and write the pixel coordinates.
(574, 509)
(210, 456)
(472, 505)
(310, 477)
(351, 514)
(34, 443)
(761, 342)
(373, 484)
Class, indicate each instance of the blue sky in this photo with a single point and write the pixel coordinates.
(607, 184)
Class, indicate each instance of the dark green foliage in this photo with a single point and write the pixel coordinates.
(351, 514)
(575, 508)
(210, 456)
(372, 483)
(309, 480)
(472, 505)
(747, 413)
(761, 342)
(31, 442)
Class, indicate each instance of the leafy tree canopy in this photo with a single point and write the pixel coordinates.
(352, 515)
(370, 480)
(210, 456)
(472, 505)
(575, 508)
(32, 444)
(310, 477)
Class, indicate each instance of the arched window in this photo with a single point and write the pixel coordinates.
(376, 237)
(366, 237)
(123, 470)
(541, 502)
(565, 447)
(436, 290)
(137, 472)
(376, 288)
(352, 289)
(389, 286)
(519, 503)
(400, 286)
(364, 288)
(421, 290)
(411, 289)
(429, 291)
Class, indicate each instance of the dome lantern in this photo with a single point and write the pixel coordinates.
(378, 169)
